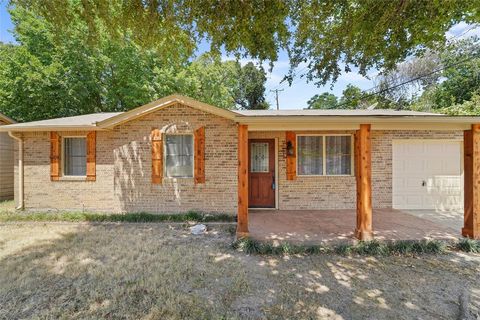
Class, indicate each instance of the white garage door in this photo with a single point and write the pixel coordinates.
(427, 174)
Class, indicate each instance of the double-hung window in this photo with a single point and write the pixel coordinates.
(75, 156)
(319, 155)
(179, 155)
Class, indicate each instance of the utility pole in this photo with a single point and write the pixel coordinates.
(276, 95)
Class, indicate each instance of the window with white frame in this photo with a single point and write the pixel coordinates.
(179, 155)
(319, 155)
(75, 156)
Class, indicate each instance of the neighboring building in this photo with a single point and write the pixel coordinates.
(177, 154)
(6, 161)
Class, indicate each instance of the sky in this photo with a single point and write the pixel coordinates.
(294, 96)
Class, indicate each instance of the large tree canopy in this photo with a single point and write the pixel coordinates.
(330, 36)
(446, 81)
(49, 74)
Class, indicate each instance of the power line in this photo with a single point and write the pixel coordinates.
(448, 42)
(413, 79)
(294, 81)
(276, 94)
(283, 83)
(463, 33)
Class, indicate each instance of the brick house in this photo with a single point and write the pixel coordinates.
(177, 154)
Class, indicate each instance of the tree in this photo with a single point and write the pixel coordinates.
(329, 35)
(352, 97)
(458, 79)
(325, 100)
(401, 86)
(462, 80)
(467, 108)
(42, 78)
(210, 80)
(251, 88)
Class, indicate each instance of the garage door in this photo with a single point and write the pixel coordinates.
(427, 174)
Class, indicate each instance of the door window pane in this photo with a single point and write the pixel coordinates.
(75, 155)
(310, 155)
(259, 157)
(179, 156)
(339, 155)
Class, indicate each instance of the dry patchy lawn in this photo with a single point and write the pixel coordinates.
(157, 271)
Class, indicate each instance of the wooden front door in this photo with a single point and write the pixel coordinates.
(261, 170)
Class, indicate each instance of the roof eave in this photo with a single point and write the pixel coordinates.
(14, 128)
(164, 103)
(6, 119)
(358, 119)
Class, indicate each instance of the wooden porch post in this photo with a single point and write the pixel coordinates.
(363, 174)
(471, 159)
(242, 216)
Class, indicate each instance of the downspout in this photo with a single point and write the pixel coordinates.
(21, 203)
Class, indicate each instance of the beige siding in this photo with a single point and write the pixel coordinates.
(6, 166)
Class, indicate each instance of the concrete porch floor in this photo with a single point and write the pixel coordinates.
(330, 226)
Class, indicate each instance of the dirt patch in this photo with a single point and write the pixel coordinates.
(153, 271)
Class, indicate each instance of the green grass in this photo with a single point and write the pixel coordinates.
(371, 248)
(9, 215)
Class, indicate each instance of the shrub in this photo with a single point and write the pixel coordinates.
(343, 249)
(401, 247)
(373, 247)
(313, 249)
(435, 247)
(251, 246)
(417, 247)
(468, 245)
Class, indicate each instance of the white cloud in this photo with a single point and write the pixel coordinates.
(463, 30)
(353, 77)
(296, 96)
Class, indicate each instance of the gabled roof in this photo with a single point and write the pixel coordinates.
(6, 119)
(259, 119)
(83, 122)
(164, 103)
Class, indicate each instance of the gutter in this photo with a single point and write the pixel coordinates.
(21, 202)
(22, 128)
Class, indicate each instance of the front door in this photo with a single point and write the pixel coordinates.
(261, 179)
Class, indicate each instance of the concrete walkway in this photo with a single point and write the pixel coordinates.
(449, 219)
(329, 226)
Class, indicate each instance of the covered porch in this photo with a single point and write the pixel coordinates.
(333, 226)
(364, 222)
